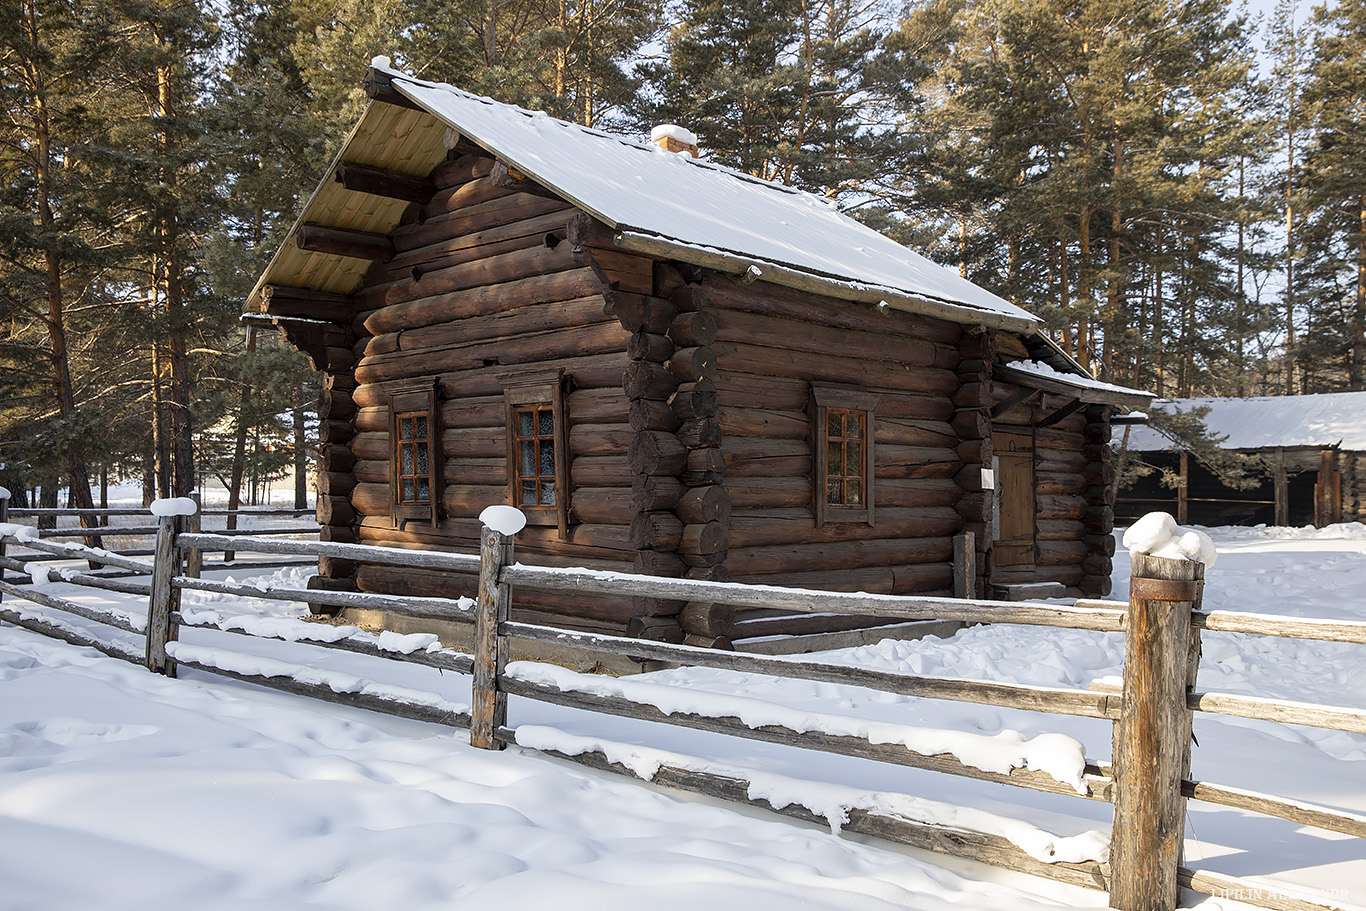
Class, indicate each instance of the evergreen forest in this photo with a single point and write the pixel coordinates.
(1177, 187)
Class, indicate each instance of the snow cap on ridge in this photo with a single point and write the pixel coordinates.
(1158, 535)
(507, 520)
(175, 506)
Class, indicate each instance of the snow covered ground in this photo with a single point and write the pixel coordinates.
(122, 789)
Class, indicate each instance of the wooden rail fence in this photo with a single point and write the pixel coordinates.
(1148, 782)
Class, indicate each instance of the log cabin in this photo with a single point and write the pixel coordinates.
(1312, 450)
(672, 368)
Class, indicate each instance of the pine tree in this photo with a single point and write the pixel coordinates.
(1335, 190)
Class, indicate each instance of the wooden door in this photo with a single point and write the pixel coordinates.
(1014, 525)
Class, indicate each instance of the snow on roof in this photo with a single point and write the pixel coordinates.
(700, 206)
(1327, 419)
(1044, 371)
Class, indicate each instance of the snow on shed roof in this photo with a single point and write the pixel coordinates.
(1324, 420)
(663, 202)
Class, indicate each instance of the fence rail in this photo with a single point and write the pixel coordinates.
(1151, 709)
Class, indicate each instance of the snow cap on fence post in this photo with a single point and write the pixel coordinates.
(506, 520)
(1158, 535)
(174, 506)
(4, 495)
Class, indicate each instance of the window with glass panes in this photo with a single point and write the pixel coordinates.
(534, 440)
(414, 457)
(538, 448)
(846, 435)
(842, 431)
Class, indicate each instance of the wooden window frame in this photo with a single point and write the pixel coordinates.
(824, 399)
(405, 401)
(539, 388)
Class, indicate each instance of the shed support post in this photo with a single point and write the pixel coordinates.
(1183, 492)
(1282, 496)
(488, 710)
(4, 517)
(194, 558)
(164, 601)
(965, 565)
(1152, 734)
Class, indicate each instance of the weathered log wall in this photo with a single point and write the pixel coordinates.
(487, 278)
(1073, 490)
(771, 344)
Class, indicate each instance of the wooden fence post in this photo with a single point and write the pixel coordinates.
(165, 597)
(965, 565)
(488, 712)
(1151, 742)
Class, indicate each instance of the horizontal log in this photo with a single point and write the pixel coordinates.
(902, 608)
(767, 423)
(704, 504)
(600, 439)
(603, 505)
(693, 329)
(652, 414)
(505, 324)
(750, 456)
(817, 337)
(658, 629)
(542, 230)
(335, 511)
(469, 500)
(824, 556)
(470, 193)
(643, 312)
(702, 619)
(1060, 530)
(484, 300)
(333, 241)
(700, 433)
(601, 471)
(772, 300)
(704, 466)
(335, 404)
(335, 483)
(629, 272)
(1352, 720)
(534, 348)
(463, 169)
(646, 380)
(1287, 627)
(645, 346)
(427, 584)
(901, 432)
(916, 462)
(283, 300)
(504, 210)
(835, 369)
(798, 526)
(656, 531)
(656, 493)
(897, 579)
(657, 453)
(848, 746)
(691, 365)
(692, 401)
(1060, 507)
(704, 539)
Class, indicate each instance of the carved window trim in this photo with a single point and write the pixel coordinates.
(854, 405)
(409, 403)
(538, 391)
